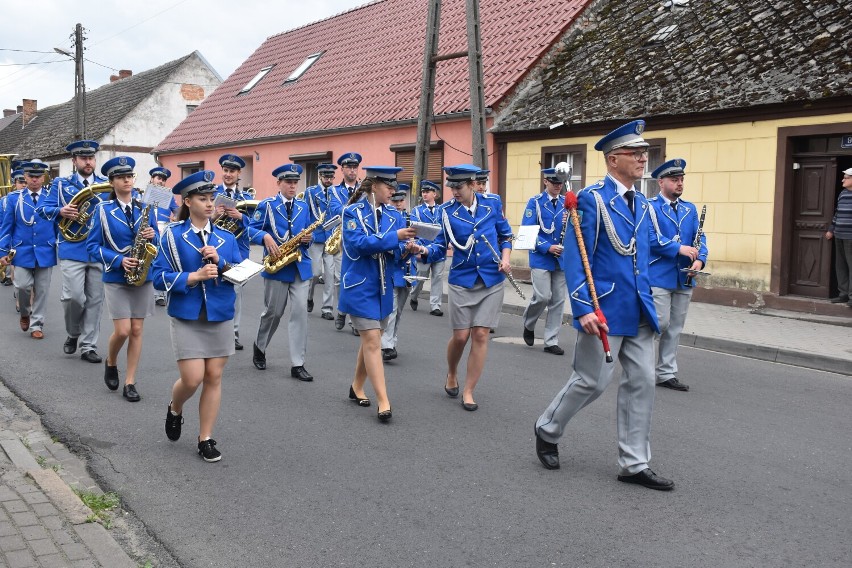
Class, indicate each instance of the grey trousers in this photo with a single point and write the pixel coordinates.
(82, 300)
(843, 266)
(436, 288)
(671, 306)
(276, 296)
(590, 378)
(322, 264)
(549, 291)
(391, 332)
(32, 286)
(338, 266)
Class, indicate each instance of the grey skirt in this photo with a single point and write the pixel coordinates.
(125, 302)
(363, 324)
(192, 339)
(475, 307)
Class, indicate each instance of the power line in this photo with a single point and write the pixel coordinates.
(31, 63)
(138, 23)
(23, 50)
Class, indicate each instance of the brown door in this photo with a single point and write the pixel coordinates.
(813, 207)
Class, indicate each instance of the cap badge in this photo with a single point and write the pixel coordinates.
(678, 163)
(122, 161)
(208, 176)
(640, 128)
(86, 145)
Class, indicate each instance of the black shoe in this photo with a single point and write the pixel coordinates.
(470, 406)
(111, 376)
(548, 453)
(130, 393)
(839, 299)
(436, 312)
(452, 392)
(259, 358)
(354, 398)
(301, 374)
(160, 301)
(208, 452)
(386, 354)
(70, 346)
(237, 345)
(91, 356)
(555, 349)
(310, 306)
(529, 336)
(413, 304)
(339, 321)
(649, 479)
(355, 332)
(173, 424)
(384, 415)
(327, 316)
(674, 384)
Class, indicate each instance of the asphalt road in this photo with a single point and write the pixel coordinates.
(760, 453)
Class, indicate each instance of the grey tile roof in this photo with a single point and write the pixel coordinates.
(723, 55)
(53, 128)
(7, 120)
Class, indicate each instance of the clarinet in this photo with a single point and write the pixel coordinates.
(381, 255)
(697, 242)
(508, 274)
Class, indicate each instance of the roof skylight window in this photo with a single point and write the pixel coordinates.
(260, 75)
(306, 64)
(662, 34)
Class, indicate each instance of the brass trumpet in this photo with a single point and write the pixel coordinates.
(75, 230)
(234, 226)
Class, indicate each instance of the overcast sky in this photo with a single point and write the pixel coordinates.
(137, 35)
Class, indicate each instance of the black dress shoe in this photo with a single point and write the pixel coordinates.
(839, 299)
(674, 384)
(258, 358)
(237, 345)
(529, 336)
(452, 392)
(310, 306)
(413, 304)
(160, 301)
(173, 424)
(339, 321)
(469, 406)
(354, 398)
(548, 453)
(386, 354)
(649, 479)
(327, 316)
(70, 346)
(355, 332)
(384, 415)
(555, 349)
(91, 356)
(301, 374)
(130, 393)
(436, 312)
(111, 376)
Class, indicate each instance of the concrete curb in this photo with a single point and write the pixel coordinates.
(61, 495)
(103, 546)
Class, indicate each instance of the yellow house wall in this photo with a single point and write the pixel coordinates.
(730, 168)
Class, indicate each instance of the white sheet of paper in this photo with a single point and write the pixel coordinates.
(224, 201)
(243, 272)
(526, 237)
(426, 231)
(157, 195)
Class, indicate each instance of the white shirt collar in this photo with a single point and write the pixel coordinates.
(619, 187)
(124, 205)
(197, 230)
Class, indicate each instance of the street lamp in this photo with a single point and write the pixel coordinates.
(79, 83)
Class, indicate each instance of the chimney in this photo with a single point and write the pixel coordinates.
(20, 109)
(113, 78)
(8, 112)
(124, 73)
(30, 109)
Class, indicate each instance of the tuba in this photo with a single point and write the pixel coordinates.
(246, 207)
(75, 230)
(6, 184)
(143, 251)
(289, 252)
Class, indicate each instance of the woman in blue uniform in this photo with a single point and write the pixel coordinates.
(474, 225)
(115, 226)
(193, 256)
(366, 289)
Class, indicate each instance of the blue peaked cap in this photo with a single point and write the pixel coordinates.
(160, 171)
(82, 148)
(384, 174)
(117, 166)
(199, 182)
(626, 136)
(349, 158)
(674, 167)
(232, 161)
(288, 171)
(462, 172)
(427, 185)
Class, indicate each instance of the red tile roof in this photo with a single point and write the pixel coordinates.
(370, 70)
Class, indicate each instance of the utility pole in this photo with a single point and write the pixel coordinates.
(79, 86)
(477, 88)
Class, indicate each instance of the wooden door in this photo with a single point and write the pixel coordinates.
(813, 207)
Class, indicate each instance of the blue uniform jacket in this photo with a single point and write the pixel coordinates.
(472, 258)
(339, 197)
(270, 217)
(421, 215)
(401, 265)
(111, 238)
(621, 282)
(243, 241)
(178, 255)
(679, 227)
(22, 229)
(540, 211)
(318, 203)
(360, 287)
(62, 190)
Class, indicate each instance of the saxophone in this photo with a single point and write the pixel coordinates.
(290, 251)
(332, 245)
(143, 251)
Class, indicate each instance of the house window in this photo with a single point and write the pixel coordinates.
(648, 186)
(306, 64)
(309, 163)
(661, 35)
(576, 158)
(434, 169)
(189, 168)
(260, 75)
(190, 108)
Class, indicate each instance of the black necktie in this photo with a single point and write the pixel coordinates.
(34, 195)
(228, 192)
(431, 209)
(553, 201)
(674, 205)
(203, 237)
(470, 211)
(128, 212)
(629, 194)
(289, 206)
(85, 183)
(379, 217)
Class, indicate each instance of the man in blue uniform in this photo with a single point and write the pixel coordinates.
(398, 269)
(349, 163)
(318, 198)
(82, 286)
(34, 241)
(618, 234)
(232, 166)
(19, 182)
(677, 221)
(165, 214)
(427, 212)
(548, 280)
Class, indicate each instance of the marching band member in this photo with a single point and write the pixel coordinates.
(115, 228)
(399, 268)
(276, 220)
(82, 286)
(482, 181)
(34, 241)
(618, 255)
(548, 280)
(19, 182)
(318, 197)
(366, 293)
(474, 225)
(427, 212)
(343, 193)
(232, 166)
(159, 176)
(677, 220)
(192, 257)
